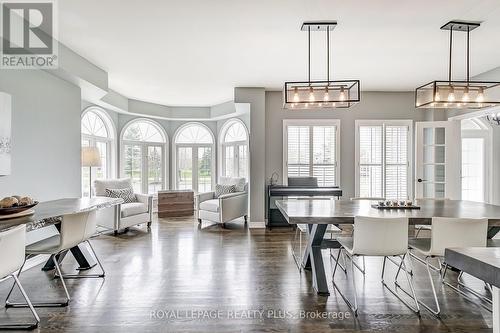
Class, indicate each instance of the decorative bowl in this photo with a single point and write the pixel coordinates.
(16, 209)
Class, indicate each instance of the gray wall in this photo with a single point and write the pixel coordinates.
(45, 135)
(257, 146)
(373, 105)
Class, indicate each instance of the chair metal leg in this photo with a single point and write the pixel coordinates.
(86, 276)
(413, 295)
(436, 311)
(22, 326)
(400, 265)
(44, 304)
(425, 262)
(17, 276)
(470, 290)
(354, 308)
(342, 267)
(353, 277)
(362, 270)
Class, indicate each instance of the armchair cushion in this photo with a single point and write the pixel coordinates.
(211, 205)
(133, 208)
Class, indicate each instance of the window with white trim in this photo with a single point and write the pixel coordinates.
(144, 154)
(234, 149)
(97, 131)
(311, 149)
(383, 154)
(194, 158)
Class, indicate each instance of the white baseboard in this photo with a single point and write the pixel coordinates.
(256, 225)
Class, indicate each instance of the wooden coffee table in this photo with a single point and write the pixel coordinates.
(174, 203)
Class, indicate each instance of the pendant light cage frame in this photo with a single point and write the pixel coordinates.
(314, 94)
(456, 94)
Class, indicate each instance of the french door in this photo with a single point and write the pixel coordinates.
(144, 165)
(194, 168)
(438, 149)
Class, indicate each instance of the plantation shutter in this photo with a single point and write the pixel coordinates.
(298, 151)
(370, 161)
(396, 162)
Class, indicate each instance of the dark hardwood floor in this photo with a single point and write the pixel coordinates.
(181, 277)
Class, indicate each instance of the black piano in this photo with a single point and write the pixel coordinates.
(297, 187)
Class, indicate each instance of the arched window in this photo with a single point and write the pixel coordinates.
(475, 160)
(194, 162)
(97, 130)
(144, 154)
(234, 149)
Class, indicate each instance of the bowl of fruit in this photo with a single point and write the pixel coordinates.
(16, 204)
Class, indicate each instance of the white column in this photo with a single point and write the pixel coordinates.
(496, 310)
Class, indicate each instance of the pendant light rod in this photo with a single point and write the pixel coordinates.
(328, 54)
(309, 53)
(468, 55)
(451, 48)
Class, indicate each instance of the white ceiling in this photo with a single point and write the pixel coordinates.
(194, 52)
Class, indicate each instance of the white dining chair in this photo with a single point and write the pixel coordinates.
(12, 258)
(447, 233)
(363, 268)
(376, 237)
(75, 229)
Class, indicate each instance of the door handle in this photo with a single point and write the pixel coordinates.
(421, 180)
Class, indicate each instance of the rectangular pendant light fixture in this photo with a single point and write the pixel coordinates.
(320, 94)
(454, 94)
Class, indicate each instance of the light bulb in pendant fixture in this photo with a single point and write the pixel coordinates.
(311, 95)
(342, 94)
(480, 95)
(451, 94)
(465, 97)
(326, 98)
(296, 94)
(437, 97)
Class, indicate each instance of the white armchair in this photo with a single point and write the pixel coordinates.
(127, 214)
(225, 208)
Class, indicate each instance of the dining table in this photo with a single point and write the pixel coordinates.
(317, 214)
(50, 213)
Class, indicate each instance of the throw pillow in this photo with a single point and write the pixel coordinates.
(221, 189)
(240, 183)
(127, 194)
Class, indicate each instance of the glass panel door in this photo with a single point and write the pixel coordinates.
(204, 169)
(185, 168)
(155, 179)
(434, 148)
(438, 146)
(133, 165)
